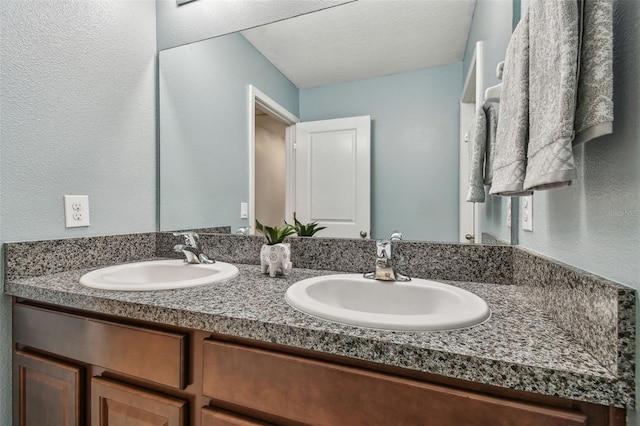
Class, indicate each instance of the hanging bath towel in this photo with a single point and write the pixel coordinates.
(553, 62)
(510, 160)
(594, 111)
(477, 152)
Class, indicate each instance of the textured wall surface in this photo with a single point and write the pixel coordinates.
(414, 159)
(198, 20)
(77, 117)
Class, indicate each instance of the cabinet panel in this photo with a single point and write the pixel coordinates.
(149, 354)
(116, 404)
(215, 417)
(46, 391)
(320, 393)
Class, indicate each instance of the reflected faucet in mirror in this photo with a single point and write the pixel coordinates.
(191, 249)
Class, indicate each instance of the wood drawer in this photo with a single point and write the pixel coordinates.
(315, 392)
(215, 417)
(149, 354)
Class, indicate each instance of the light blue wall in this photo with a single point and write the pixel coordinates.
(415, 120)
(77, 116)
(204, 128)
(492, 23)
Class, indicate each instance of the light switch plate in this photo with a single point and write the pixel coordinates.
(527, 212)
(76, 210)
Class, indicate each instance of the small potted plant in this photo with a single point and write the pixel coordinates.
(308, 229)
(275, 255)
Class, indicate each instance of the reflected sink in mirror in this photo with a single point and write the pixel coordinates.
(417, 305)
(158, 275)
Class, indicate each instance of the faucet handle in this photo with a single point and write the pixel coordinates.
(190, 237)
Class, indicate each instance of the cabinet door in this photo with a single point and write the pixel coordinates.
(308, 391)
(45, 391)
(214, 417)
(116, 404)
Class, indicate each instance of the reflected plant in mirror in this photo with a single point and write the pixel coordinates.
(407, 77)
(307, 229)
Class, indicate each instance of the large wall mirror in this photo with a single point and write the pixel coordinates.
(401, 63)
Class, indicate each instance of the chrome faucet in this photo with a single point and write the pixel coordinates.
(190, 248)
(384, 270)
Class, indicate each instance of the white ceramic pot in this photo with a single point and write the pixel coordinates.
(276, 259)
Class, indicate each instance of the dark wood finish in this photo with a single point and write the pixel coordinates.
(46, 391)
(116, 404)
(30, 337)
(304, 390)
(215, 417)
(150, 354)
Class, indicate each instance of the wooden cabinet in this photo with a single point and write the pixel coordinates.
(46, 391)
(215, 417)
(297, 389)
(117, 404)
(75, 368)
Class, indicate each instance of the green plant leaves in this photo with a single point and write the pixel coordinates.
(276, 234)
(308, 229)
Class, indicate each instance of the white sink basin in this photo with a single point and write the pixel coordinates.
(157, 275)
(415, 305)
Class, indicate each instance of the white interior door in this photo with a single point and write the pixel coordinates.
(472, 98)
(333, 175)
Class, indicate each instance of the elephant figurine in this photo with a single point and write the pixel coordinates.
(276, 258)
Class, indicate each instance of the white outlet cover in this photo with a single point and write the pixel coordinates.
(76, 210)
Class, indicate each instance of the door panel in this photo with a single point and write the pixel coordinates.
(333, 175)
(47, 391)
(117, 404)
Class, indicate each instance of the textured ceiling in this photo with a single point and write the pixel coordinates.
(366, 38)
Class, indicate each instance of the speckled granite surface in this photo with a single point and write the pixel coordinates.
(557, 331)
(33, 258)
(519, 347)
(598, 313)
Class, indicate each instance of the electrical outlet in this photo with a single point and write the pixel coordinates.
(527, 213)
(244, 210)
(509, 212)
(76, 210)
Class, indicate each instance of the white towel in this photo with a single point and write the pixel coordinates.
(491, 111)
(481, 151)
(509, 165)
(477, 152)
(594, 110)
(553, 63)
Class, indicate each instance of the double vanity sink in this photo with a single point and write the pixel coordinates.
(416, 305)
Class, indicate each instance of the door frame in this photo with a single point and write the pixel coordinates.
(275, 110)
(470, 101)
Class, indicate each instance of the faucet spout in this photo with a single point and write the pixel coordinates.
(384, 270)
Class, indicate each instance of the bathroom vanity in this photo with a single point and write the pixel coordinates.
(235, 353)
(101, 370)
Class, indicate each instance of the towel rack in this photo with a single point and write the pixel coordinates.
(492, 94)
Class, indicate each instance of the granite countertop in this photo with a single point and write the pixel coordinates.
(520, 347)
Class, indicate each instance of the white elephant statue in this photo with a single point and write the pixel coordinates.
(276, 258)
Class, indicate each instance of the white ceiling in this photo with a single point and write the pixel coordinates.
(366, 38)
